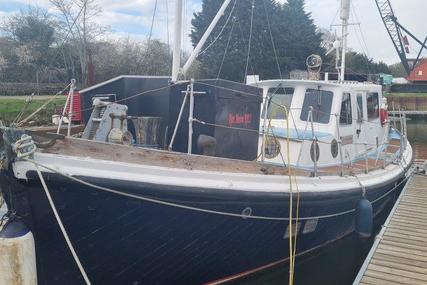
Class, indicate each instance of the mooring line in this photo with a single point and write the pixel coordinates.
(61, 225)
(171, 204)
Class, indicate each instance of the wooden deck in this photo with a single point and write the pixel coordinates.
(399, 254)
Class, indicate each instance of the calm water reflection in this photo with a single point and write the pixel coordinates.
(339, 264)
(417, 134)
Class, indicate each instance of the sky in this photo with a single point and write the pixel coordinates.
(132, 18)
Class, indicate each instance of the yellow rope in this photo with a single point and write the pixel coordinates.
(296, 223)
(292, 237)
(291, 250)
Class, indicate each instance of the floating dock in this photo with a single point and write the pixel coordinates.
(399, 254)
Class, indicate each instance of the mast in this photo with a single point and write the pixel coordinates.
(176, 62)
(345, 15)
(205, 36)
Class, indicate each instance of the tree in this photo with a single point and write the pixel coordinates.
(131, 57)
(30, 35)
(79, 30)
(397, 70)
(361, 64)
(301, 37)
(276, 38)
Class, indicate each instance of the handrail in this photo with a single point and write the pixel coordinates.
(190, 118)
(366, 159)
(303, 139)
(339, 144)
(314, 143)
(179, 118)
(69, 104)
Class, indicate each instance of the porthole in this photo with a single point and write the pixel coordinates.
(334, 148)
(314, 151)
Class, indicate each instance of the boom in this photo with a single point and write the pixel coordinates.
(393, 29)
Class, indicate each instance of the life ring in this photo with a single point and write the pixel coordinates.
(383, 116)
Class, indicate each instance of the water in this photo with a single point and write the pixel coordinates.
(417, 134)
(339, 263)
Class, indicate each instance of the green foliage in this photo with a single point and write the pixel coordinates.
(406, 95)
(292, 29)
(30, 35)
(32, 50)
(33, 27)
(298, 37)
(130, 57)
(11, 106)
(397, 70)
(360, 64)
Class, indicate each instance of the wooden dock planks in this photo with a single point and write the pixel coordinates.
(399, 255)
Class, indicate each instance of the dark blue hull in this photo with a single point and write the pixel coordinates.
(122, 240)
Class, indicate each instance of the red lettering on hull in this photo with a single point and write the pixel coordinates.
(236, 119)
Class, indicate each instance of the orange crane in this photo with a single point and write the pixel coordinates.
(400, 41)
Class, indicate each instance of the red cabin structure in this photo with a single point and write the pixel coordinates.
(419, 73)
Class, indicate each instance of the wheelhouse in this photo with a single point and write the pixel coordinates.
(324, 123)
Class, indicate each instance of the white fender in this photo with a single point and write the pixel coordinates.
(17, 256)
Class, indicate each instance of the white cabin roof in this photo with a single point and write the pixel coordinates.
(316, 83)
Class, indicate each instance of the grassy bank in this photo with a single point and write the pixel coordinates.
(10, 106)
(409, 95)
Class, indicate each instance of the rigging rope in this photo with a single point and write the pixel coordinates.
(221, 31)
(152, 21)
(258, 97)
(272, 40)
(43, 106)
(360, 28)
(290, 226)
(292, 239)
(191, 208)
(28, 101)
(335, 17)
(226, 48)
(61, 225)
(244, 42)
(143, 93)
(360, 43)
(68, 32)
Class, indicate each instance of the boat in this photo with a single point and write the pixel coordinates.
(223, 179)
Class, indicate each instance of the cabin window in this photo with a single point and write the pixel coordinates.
(373, 106)
(345, 115)
(321, 101)
(359, 108)
(279, 97)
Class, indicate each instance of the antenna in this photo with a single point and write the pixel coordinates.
(345, 15)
